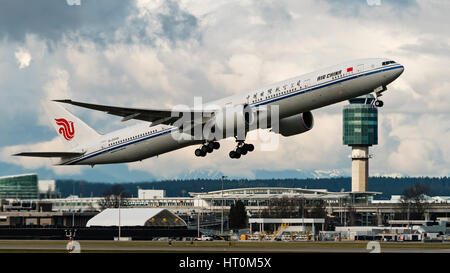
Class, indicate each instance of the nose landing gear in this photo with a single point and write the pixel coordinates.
(378, 93)
(378, 103)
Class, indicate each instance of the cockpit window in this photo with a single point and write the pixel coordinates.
(388, 62)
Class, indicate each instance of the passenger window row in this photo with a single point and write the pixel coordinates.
(134, 137)
(340, 76)
(277, 92)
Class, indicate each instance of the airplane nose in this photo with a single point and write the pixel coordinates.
(399, 71)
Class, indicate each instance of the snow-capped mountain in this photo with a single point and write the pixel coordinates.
(265, 174)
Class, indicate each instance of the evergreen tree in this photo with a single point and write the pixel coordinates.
(237, 215)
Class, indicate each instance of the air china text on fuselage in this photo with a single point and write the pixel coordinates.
(283, 107)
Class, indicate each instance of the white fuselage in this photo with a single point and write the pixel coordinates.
(293, 96)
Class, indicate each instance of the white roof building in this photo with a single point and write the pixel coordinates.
(45, 186)
(136, 217)
(151, 194)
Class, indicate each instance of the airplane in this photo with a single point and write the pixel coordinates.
(234, 116)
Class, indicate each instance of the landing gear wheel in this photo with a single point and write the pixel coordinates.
(200, 153)
(216, 145)
(379, 103)
(241, 150)
(210, 145)
(249, 147)
(204, 149)
(234, 154)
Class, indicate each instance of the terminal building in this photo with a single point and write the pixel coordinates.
(26, 187)
(255, 199)
(354, 212)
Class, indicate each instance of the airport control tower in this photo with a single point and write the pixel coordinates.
(360, 132)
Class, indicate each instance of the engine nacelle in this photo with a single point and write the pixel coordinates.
(296, 124)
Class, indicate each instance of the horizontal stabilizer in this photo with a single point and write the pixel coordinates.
(49, 154)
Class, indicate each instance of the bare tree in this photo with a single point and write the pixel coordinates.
(297, 208)
(113, 196)
(284, 208)
(351, 216)
(413, 202)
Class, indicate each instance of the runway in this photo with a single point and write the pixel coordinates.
(217, 247)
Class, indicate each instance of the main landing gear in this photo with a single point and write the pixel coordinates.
(206, 148)
(241, 149)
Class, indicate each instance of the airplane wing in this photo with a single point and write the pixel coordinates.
(155, 116)
(49, 154)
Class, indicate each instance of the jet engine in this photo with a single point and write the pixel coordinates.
(296, 124)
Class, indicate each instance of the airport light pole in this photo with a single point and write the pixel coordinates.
(303, 212)
(119, 220)
(73, 202)
(408, 217)
(198, 218)
(221, 222)
(73, 211)
(120, 200)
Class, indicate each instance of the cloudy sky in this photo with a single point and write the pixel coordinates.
(162, 53)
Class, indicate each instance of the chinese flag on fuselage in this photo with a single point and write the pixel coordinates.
(350, 69)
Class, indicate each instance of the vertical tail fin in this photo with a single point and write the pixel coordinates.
(72, 130)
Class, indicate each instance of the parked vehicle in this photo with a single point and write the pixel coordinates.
(410, 237)
(204, 238)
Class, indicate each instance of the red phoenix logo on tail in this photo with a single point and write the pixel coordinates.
(66, 130)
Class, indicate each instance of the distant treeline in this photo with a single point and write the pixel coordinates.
(179, 188)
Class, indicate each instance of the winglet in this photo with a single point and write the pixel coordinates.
(63, 101)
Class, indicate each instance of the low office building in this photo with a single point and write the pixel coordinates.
(287, 224)
(151, 194)
(23, 186)
(47, 189)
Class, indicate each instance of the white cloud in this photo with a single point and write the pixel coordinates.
(245, 44)
(423, 147)
(34, 163)
(58, 87)
(23, 57)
